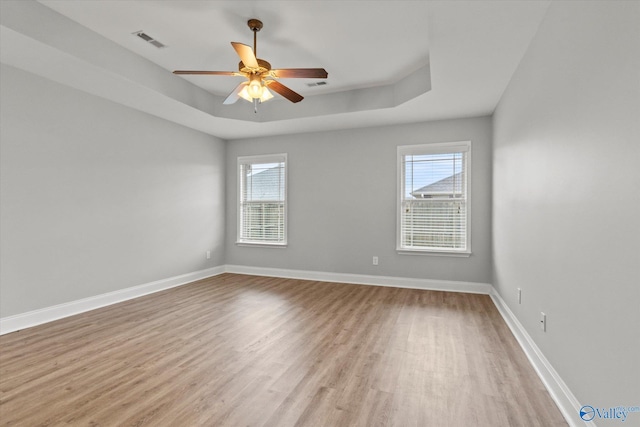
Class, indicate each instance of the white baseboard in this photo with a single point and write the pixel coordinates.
(363, 279)
(560, 393)
(48, 314)
(564, 398)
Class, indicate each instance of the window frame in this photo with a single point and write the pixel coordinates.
(261, 159)
(427, 149)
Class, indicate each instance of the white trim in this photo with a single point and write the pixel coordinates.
(262, 244)
(436, 148)
(264, 158)
(49, 314)
(363, 279)
(465, 254)
(559, 391)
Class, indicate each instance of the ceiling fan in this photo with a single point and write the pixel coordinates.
(260, 76)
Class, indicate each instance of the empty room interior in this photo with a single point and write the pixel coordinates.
(308, 213)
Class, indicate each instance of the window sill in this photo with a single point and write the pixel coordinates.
(262, 245)
(433, 253)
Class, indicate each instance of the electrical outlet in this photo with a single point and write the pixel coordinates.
(543, 322)
(375, 260)
(208, 254)
(519, 296)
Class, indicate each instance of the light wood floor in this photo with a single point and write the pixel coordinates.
(239, 350)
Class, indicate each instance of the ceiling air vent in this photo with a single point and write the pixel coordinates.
(146, 37)
(316, 84)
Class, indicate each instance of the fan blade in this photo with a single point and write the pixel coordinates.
(212, 73)
(246, 54)
(301, 73)
(284, 91)
(235, 95)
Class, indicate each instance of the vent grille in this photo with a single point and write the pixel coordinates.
(320, 83)
(146, 37)
(157, 44)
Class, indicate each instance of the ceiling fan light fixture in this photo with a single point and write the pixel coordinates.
(255, 88)
(264, 96)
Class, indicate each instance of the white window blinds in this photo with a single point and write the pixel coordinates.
(433, 206)
(262, 199)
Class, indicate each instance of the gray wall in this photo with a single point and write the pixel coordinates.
(342, 201)
(566, 190)
(96, 197)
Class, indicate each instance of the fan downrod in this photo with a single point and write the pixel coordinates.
(255, 25)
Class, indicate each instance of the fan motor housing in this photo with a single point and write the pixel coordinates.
(263, 67)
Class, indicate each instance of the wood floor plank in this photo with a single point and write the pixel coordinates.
(237, 350)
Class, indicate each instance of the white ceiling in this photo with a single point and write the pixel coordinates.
(469, 50)
(360, 48)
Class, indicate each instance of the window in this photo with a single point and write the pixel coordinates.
(433, 203)
(262, 200)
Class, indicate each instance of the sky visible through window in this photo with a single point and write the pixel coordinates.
(425, 169)
(256, 168)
